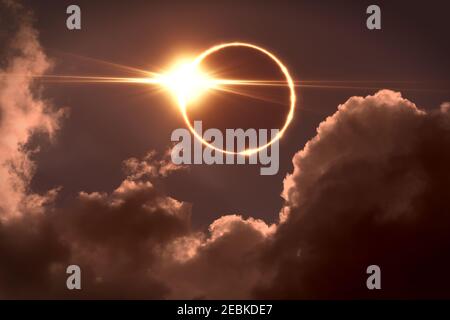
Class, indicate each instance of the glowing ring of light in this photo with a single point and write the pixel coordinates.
(289, 81)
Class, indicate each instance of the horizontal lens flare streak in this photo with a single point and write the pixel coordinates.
(187, 82)
(157, 79)
(218, 83)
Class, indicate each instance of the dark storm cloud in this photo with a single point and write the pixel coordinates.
(371, 188)
(118, 238)
(32, 257)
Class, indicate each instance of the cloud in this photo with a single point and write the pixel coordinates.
(132, 243)
(22, 114)
(371, 188)
(445, 107)
(223, 264)
(117, 239)
(150, 166)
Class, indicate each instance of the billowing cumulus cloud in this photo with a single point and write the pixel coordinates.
(371, 188)
(224, 264)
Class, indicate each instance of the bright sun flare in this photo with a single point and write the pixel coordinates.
(186, 82)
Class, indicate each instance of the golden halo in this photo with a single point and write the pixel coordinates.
(289, 81)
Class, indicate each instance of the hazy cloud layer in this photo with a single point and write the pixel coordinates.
(22, 114)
